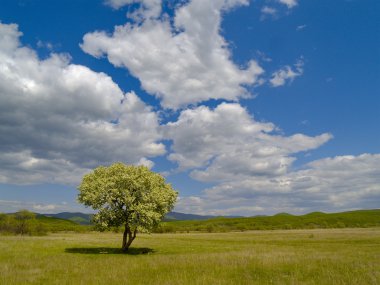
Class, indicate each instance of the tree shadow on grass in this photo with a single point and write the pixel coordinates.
(109, 250)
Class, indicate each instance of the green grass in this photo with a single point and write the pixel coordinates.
(354, 219)
(338, 256)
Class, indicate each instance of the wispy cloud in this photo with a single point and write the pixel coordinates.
(267, 11)
(9, 206)
(301, 27)
(147, 9)
(287, 74)
(47, 45)
(289, 3)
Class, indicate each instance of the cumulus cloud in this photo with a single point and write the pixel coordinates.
(289, 3)
(59, 119)
(183, 60)
(227, 144)
(251, 165)
(339, 183)
(287, 74)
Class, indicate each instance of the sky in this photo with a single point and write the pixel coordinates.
(246, 107)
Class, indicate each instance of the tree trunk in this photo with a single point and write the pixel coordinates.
(124, 244)
(128, 238)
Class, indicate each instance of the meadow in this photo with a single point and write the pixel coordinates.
(315, 256)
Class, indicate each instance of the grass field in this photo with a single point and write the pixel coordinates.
(323, 256)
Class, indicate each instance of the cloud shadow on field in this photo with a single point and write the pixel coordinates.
(108, 250)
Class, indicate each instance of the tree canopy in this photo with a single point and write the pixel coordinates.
(132, 196)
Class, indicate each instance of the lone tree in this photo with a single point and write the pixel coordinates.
(127, 195)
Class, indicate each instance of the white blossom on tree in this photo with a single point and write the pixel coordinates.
(127, 195)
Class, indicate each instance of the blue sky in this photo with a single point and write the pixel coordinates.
(247, 107)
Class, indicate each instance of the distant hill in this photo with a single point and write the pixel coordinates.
(181, 222)
(175, 216)
(352, 219)
(79, 218)
(85, 219)
(53, 224)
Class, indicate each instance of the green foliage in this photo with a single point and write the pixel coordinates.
(127, 195)
(28, 223)
(21, 223)
(25, 220)
(353, 219)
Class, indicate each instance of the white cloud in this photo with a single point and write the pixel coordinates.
(117, 4)
(268, 11)
(44, 207)
(47, 45)
(251, 166)
(147, 9)
(9, 206)
(58, 119)
(226, 144)
(184, 63)
(289, 3)
(263, 56)
(146, 162)
(287, 73)
(340, 183)
(301, 27)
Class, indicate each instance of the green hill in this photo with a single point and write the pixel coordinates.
(175, 216)
(352, 219)
(79, 218)
(25, 222)
(52, 224)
